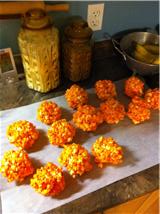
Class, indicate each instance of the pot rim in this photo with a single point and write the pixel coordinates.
(132, 58)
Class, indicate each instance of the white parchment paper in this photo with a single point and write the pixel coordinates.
(140, 145)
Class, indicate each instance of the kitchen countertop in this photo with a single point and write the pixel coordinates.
(18, 94)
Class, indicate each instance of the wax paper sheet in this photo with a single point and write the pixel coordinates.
(140, 145)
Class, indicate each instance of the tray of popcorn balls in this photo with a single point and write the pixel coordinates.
(61, 149)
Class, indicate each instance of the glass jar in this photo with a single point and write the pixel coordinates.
(77, 50)
(39, 45)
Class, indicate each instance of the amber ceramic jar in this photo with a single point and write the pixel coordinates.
(39, 45)
(77, 50)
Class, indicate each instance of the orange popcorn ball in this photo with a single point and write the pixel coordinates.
(48, 180)
(134, 87)
(140, 101)
(16, 165)
(48, 112)
(113, 111)
(76, 159)
(87, 118)
(138, 110)
(152, 97)
(105, 89)
(22, 134)
(61, 132)
(106, 150)
(76, 96)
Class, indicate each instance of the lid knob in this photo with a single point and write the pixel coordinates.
(78, 29)
(36, 18)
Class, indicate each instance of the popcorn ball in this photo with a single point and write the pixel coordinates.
(152, 97)
(76, 96)
(106, 150)
(134, 87)
(138, 110)
(22, 134)
(48, 112)
(105, 89)
(16, 165)
(76, 159)
(61, 132)
(87, 118)
(140, 101)
(48, 180)
(113, 111)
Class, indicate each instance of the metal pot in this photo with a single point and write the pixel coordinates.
(133, 64)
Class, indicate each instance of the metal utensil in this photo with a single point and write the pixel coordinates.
(125, 44)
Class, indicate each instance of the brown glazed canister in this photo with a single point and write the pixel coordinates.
(39, 45)
(77, 50)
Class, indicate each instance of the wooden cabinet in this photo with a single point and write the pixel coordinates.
(146, 204)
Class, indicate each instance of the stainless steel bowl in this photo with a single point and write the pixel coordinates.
(136, 65)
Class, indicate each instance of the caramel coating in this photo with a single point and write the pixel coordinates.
(152, 97)
(87, 118)
(48, 112)
(76, 159)
(16, 165)
(48, 180)
(76, 96)
(113, 111)
(105, 89)
(134, 87)
(61, 132)
(106, 150)
(138, 110)
(22, 134)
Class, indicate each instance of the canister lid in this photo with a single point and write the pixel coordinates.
(36, 18)
(78, 29)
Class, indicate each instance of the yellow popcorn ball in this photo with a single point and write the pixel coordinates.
(76, 96)
(105, 89)
(87, 118)
(16, 165)
(48, 112)
(113, 111)
(48, 180)
(22, 134)
(61, 132)
(76, 159)
(134, 87)
(106, 150)
(152, 97)
(138, 110)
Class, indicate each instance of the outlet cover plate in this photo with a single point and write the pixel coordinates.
(95, 16)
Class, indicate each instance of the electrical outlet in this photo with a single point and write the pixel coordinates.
(95, 16)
